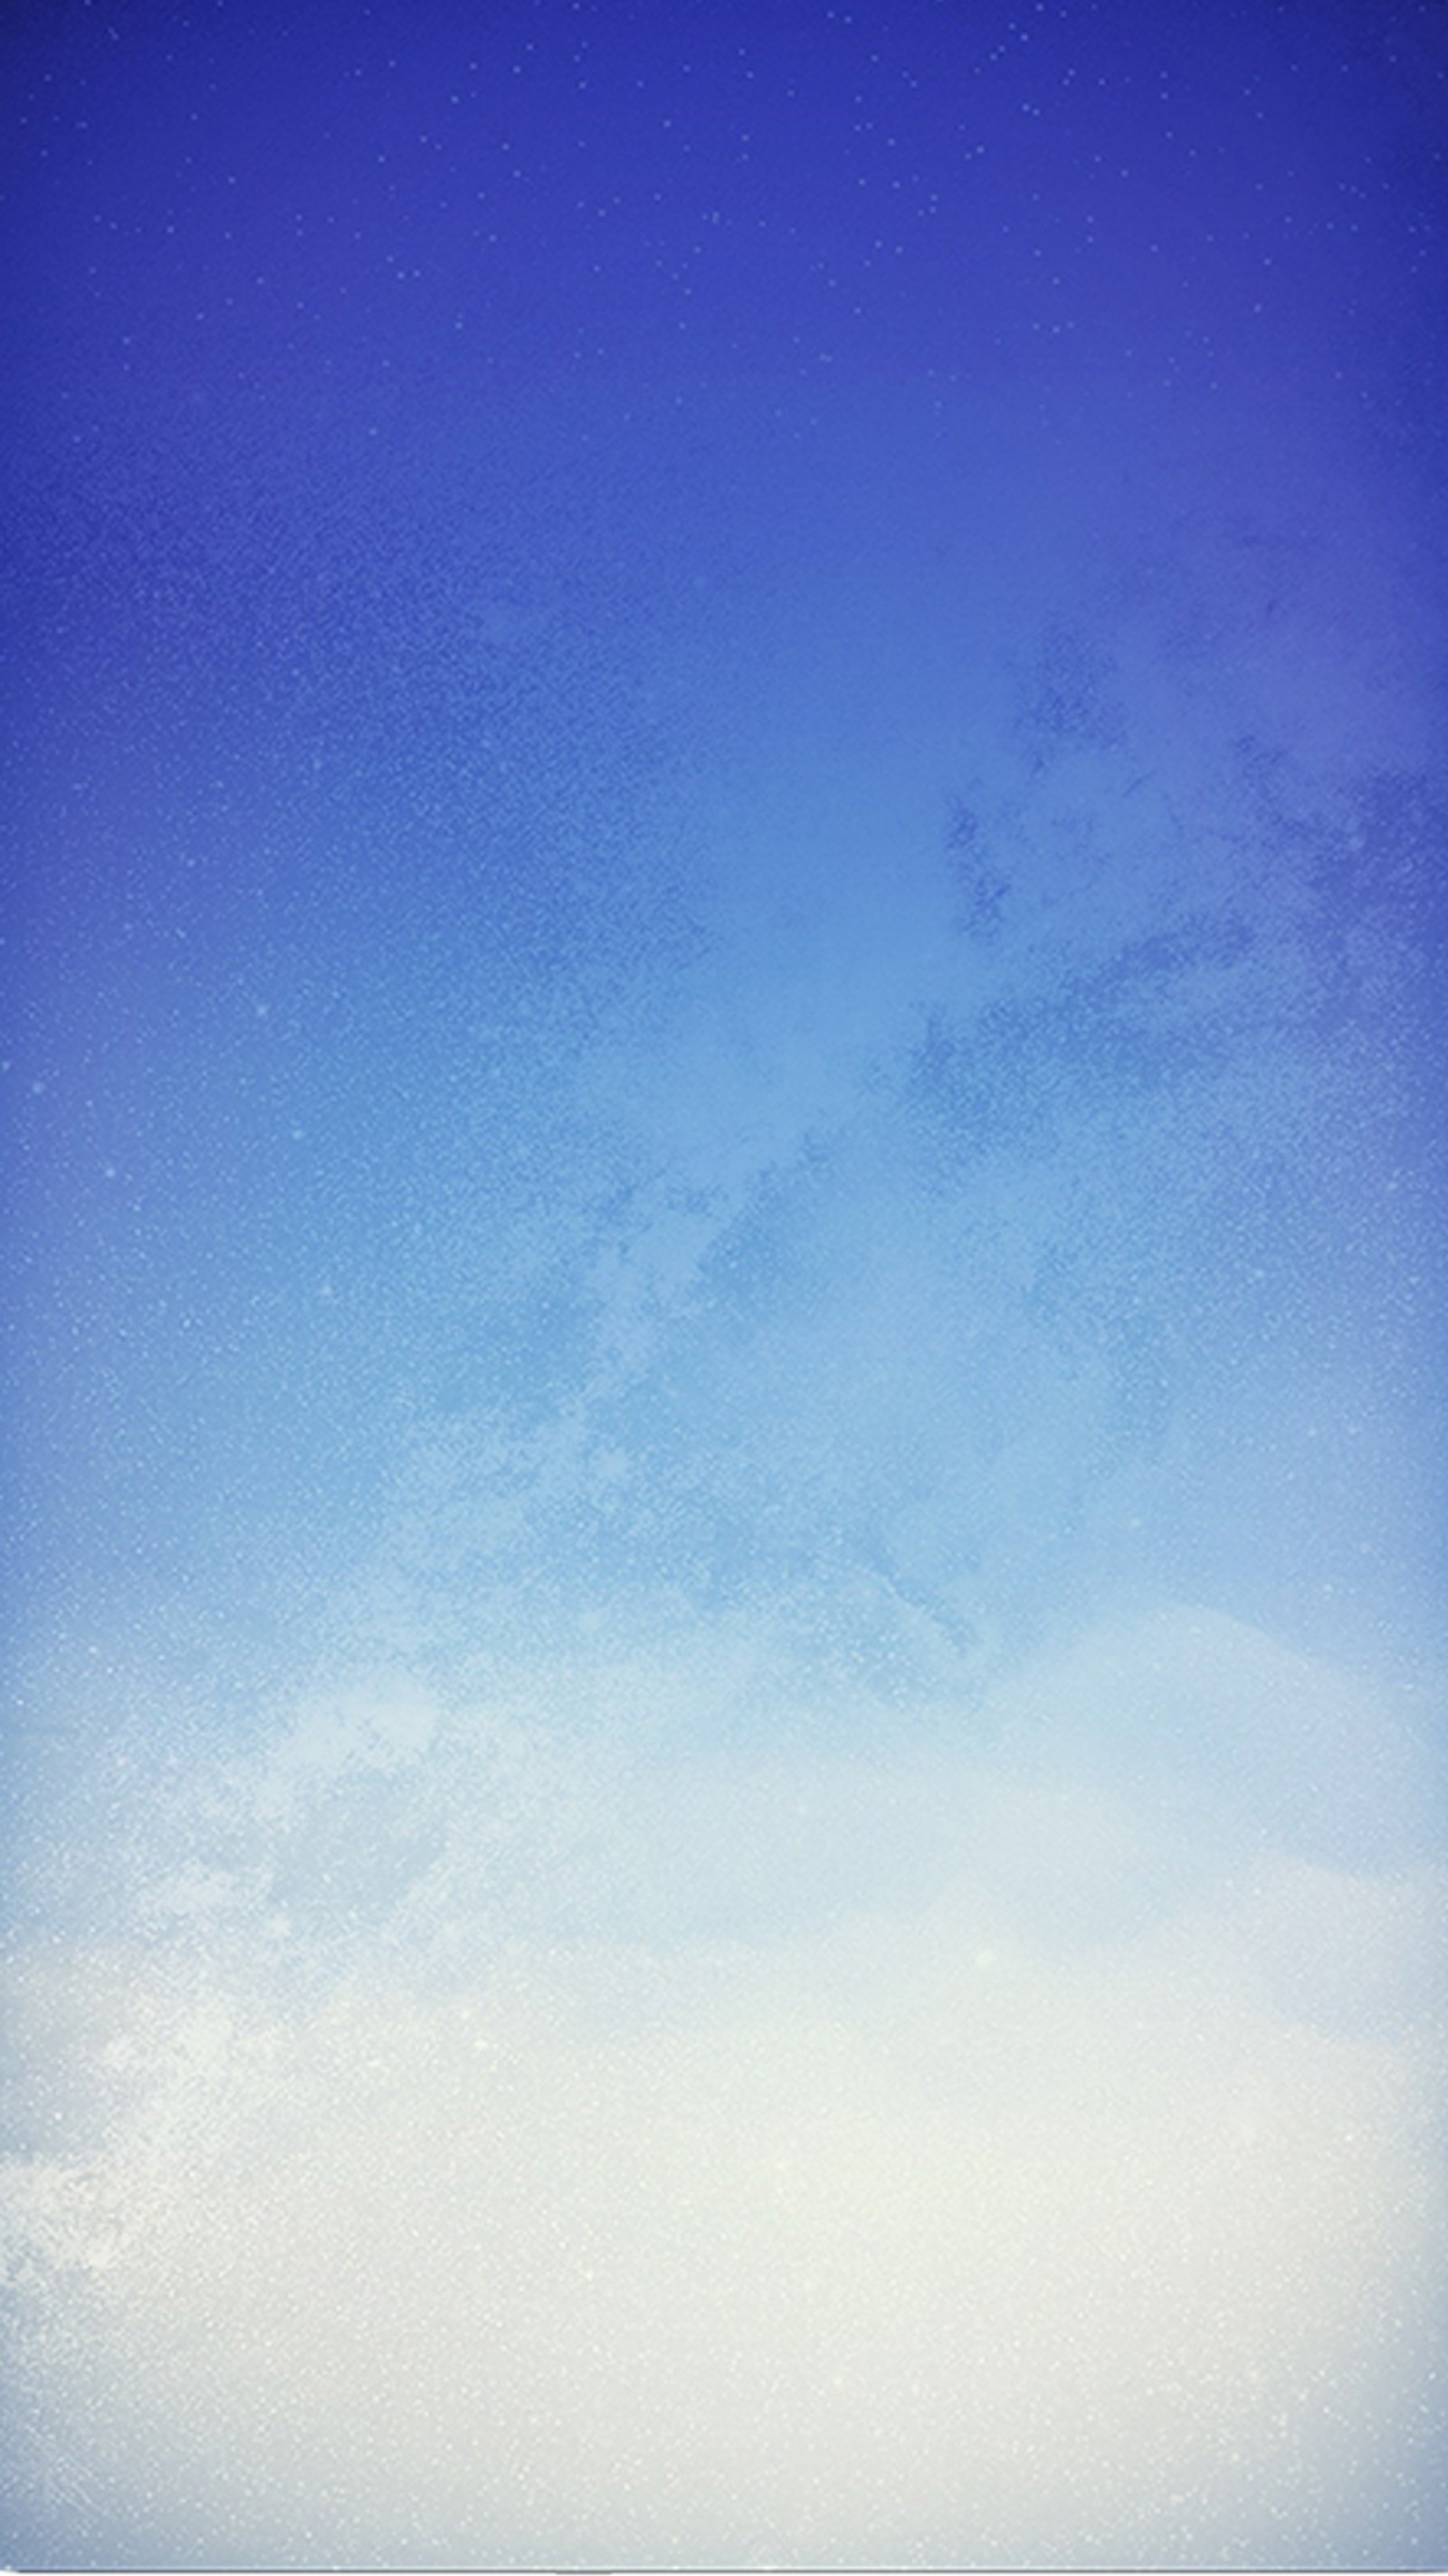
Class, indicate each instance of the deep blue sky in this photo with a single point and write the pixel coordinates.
(529, 528)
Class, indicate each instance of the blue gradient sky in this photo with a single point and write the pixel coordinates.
(724, 1047)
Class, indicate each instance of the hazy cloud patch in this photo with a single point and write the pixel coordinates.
(536, 2146)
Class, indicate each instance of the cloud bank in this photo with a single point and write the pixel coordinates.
(515, 2135)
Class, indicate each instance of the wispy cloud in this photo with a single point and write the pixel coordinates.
(456, 2138)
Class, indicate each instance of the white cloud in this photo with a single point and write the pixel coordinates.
(946, 2159)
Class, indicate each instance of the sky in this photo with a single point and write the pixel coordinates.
(725, 1612)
